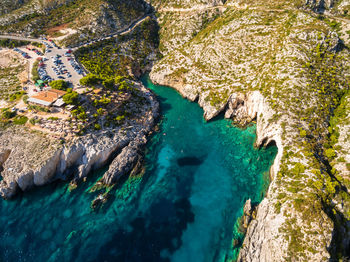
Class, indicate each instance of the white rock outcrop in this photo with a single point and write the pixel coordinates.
(80, 156)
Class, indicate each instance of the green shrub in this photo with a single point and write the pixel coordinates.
(53, 118)
(12, 43)
(71, 98)
(25, 99)
(348, 166)
(32, 121)
(330, 153)
(16, 96)
(59, 84)
(20, 120)
(35, 74)
(89, 80)
(8, 114)
(108, 83)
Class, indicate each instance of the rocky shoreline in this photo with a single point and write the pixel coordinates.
(263, 240)
(78, 157)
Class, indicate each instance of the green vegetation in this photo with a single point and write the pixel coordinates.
(11, 116)
(89, 80)
(9, 43)
(10, 86)
(112, 63)
(34, 121)
(38, 108)
(35, 74)
(114, 57)
(16, 96)
(53, 118)
(71, 98)
(20, 120)
(79, 113)
(59, 84)
(7, 114)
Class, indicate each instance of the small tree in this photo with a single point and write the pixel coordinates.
(8, 114)
(330, 153)
(89, 80)
(71, 98)
(59, 84)
(100, 111)
(118, 80)
(108, 83)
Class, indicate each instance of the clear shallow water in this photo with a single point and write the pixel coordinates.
(184, 208)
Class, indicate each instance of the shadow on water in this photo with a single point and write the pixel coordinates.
(164, 105)
(189, 161)
(160, 228)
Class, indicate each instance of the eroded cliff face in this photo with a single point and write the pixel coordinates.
(260, 62)
(26, 163)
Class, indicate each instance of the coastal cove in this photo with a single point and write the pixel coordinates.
(185, 206)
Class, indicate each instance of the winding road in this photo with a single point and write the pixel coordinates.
(20, 38)
(137, 22)
(123, 31)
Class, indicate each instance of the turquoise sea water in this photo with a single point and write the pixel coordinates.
(184, 208)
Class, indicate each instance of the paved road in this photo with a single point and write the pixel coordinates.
(20, 38)
(123, 31)
(53, 51)
(120, 32)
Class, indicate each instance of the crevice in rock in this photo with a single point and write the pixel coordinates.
(4, 155)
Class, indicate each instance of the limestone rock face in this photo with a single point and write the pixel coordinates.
(125, 161)
(26, 180)
(249, 63)
(47, 171)
(247, 214)
(30, 159)
(262, 242)
(4, 156)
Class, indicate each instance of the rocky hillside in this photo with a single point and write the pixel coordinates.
(79, 20)
(285, 64)
(7, 6)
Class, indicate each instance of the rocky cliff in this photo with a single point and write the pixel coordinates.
(24, 166)
(284, 67)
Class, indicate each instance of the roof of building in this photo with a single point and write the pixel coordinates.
(47, 97)
(59, 102)
(39, 101)
(56, 91)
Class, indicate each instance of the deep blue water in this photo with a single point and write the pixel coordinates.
(184, 208)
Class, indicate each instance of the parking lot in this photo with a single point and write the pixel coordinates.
(57, 63)
(60, 63)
